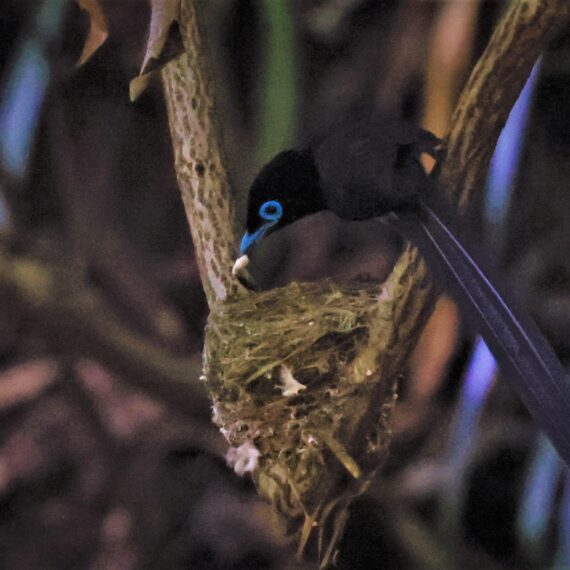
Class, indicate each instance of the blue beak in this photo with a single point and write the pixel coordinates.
(249, 239)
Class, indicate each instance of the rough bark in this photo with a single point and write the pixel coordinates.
(199, 162)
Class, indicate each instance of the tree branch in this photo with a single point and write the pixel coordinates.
(199, 163)
(80, 322)
(521, 35)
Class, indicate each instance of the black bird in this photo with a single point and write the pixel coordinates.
(370, 168)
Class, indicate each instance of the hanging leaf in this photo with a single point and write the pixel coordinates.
(98, 29)
(138, 85)
(164, 39)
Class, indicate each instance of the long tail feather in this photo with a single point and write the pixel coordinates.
(521, 350)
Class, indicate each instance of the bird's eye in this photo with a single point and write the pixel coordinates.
(271, 211)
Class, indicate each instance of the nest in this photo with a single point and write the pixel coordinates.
(303, 382)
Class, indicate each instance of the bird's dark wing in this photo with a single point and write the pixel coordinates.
(520, 349)
(361, 166)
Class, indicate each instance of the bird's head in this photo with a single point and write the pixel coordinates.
(286, 189)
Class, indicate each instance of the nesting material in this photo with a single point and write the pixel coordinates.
(306, 374)
(289, 386)
(242, 274)
(244, 458)
(240, 265)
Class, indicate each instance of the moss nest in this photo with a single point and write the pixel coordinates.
(305, 376)
(278, 371)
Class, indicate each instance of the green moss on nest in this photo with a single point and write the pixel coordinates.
(317, 446)
(316, 330)
(259, 332)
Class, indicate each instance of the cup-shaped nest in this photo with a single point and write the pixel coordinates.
(303, 382)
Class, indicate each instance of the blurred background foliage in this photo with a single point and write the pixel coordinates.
(107, 457)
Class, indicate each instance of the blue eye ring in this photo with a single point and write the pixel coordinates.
(271, 210)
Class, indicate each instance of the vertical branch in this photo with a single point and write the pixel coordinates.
(199, 164)
(522, 33)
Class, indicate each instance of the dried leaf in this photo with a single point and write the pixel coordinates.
(164, 40)
(98, 29)
(138, 85)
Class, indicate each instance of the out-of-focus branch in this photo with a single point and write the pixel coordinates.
(86, 189)
(522, 33)
(448, 61)
(81, 323)
(198, 159)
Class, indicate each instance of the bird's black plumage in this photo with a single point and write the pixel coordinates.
(358, 172)
(370, 168)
